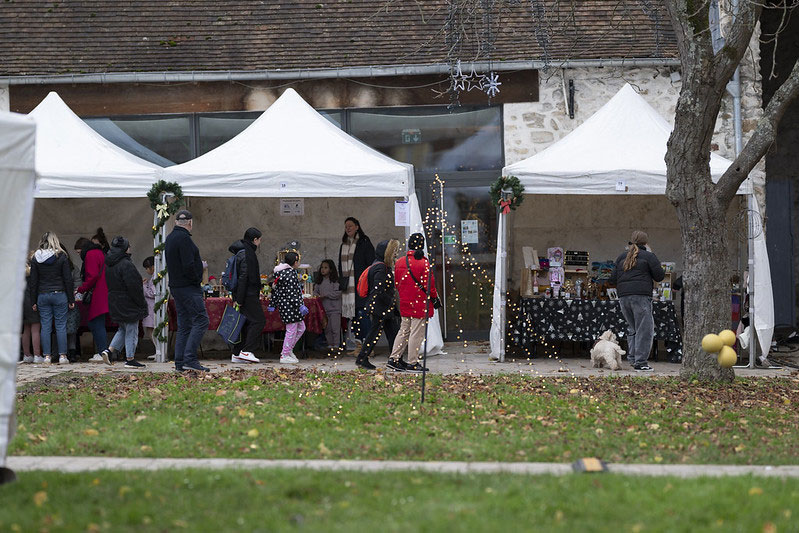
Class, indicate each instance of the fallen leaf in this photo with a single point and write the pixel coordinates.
(219, 409)
(91, 432)
(755, 491)
(39, 498)
(221, 392)
(179, 523)
(658, 459)
(96, 481)
(252, 433)
(769, 527)
(124, 489)
(574, 391)
(324, 450)
(141, 417)
(145, 448)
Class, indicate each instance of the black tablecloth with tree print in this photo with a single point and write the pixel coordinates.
(541, 319)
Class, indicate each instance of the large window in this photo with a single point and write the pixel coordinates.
(432, 138)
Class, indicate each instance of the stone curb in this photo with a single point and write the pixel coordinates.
(91, 464)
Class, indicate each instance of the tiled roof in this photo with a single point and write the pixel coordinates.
(73, 36)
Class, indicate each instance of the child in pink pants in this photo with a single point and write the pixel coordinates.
(287, 298)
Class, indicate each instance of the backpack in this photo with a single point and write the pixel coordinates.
(363, 283)
(230, 276)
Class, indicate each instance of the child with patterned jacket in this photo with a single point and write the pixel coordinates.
(287, 298)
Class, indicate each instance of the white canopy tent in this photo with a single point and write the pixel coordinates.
(74, 161)
(618, 150)
(17, 178)
(292, 151)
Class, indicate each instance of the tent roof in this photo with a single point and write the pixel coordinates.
(292, 150)
(17, 137)
(74, 161)
(624, 141)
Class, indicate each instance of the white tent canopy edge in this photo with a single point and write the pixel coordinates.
(17, 179)
(620, 149)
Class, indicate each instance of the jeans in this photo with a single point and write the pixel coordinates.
(53, 306)
(127, 336)
(97, 328)
(361, 324)
(253, 325)
(379, 324)
(637, 311)
(192, 323)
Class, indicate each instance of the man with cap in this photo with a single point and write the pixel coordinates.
(185, 270)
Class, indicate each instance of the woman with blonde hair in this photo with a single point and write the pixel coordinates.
(634, 275)
(51, 291)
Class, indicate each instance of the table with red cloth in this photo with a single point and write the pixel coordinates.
(215, 307)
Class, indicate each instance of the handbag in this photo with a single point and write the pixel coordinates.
(230, 325)
(436, 301)
(87, 296)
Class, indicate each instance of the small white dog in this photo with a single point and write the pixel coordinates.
(607, 350)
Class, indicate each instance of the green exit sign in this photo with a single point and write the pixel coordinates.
(411, 136)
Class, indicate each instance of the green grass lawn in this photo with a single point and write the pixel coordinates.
(349, 415)
(281, 500)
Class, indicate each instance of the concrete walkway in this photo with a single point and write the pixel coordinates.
(91, 464)
(458, 359)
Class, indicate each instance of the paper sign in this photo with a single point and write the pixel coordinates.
(469, 232)
(402, 213)
(621, 186)
(292, 207)
(449, 239)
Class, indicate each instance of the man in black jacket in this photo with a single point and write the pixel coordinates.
(248, 296)
(381, 304)
(126, 302)
(185, 270)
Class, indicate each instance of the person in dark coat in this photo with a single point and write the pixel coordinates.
(355, 255)
(287, 298)
(185, 270)
(380, 302)
(634, 275)
(125, 301)
(51, 292)
(248, 296)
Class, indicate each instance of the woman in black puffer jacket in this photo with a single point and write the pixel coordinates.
(126, 301)
(634, 274)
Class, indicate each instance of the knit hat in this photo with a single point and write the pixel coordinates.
(120, 242)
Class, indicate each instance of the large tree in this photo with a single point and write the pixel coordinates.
(702, 205)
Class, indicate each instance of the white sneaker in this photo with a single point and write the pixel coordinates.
(96, 358)
(27, 359)
(63, 360)
(289, 359)
(151, 357)
(245, 357)
(38, 360)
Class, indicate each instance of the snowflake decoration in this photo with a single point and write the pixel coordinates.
(491, 84)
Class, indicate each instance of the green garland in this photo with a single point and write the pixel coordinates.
(163, 210)
(507, 182)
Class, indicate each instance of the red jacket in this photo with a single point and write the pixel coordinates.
(94, 268)
(412, 298)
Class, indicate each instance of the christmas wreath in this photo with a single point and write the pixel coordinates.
(505, 183)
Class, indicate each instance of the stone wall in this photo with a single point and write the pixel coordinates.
(5, 102)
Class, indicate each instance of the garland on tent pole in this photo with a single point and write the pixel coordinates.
(159, 196)
(503, 185)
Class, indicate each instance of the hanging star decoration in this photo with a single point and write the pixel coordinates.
(488, 83)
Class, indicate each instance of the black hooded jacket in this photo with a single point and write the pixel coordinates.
(49, 275)
(638, 280)
(126, 301)
(380, 301)
(248, 268)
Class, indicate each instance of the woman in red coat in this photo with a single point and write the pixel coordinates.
(413, 277)
(93, 276)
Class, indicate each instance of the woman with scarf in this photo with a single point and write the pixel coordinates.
(355, 255)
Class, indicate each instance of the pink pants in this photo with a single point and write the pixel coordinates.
(293, 333)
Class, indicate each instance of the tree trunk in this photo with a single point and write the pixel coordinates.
(706, 284)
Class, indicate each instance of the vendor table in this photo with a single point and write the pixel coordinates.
(542, 319)
(215, 307)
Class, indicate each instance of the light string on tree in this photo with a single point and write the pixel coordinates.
(159, 196)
